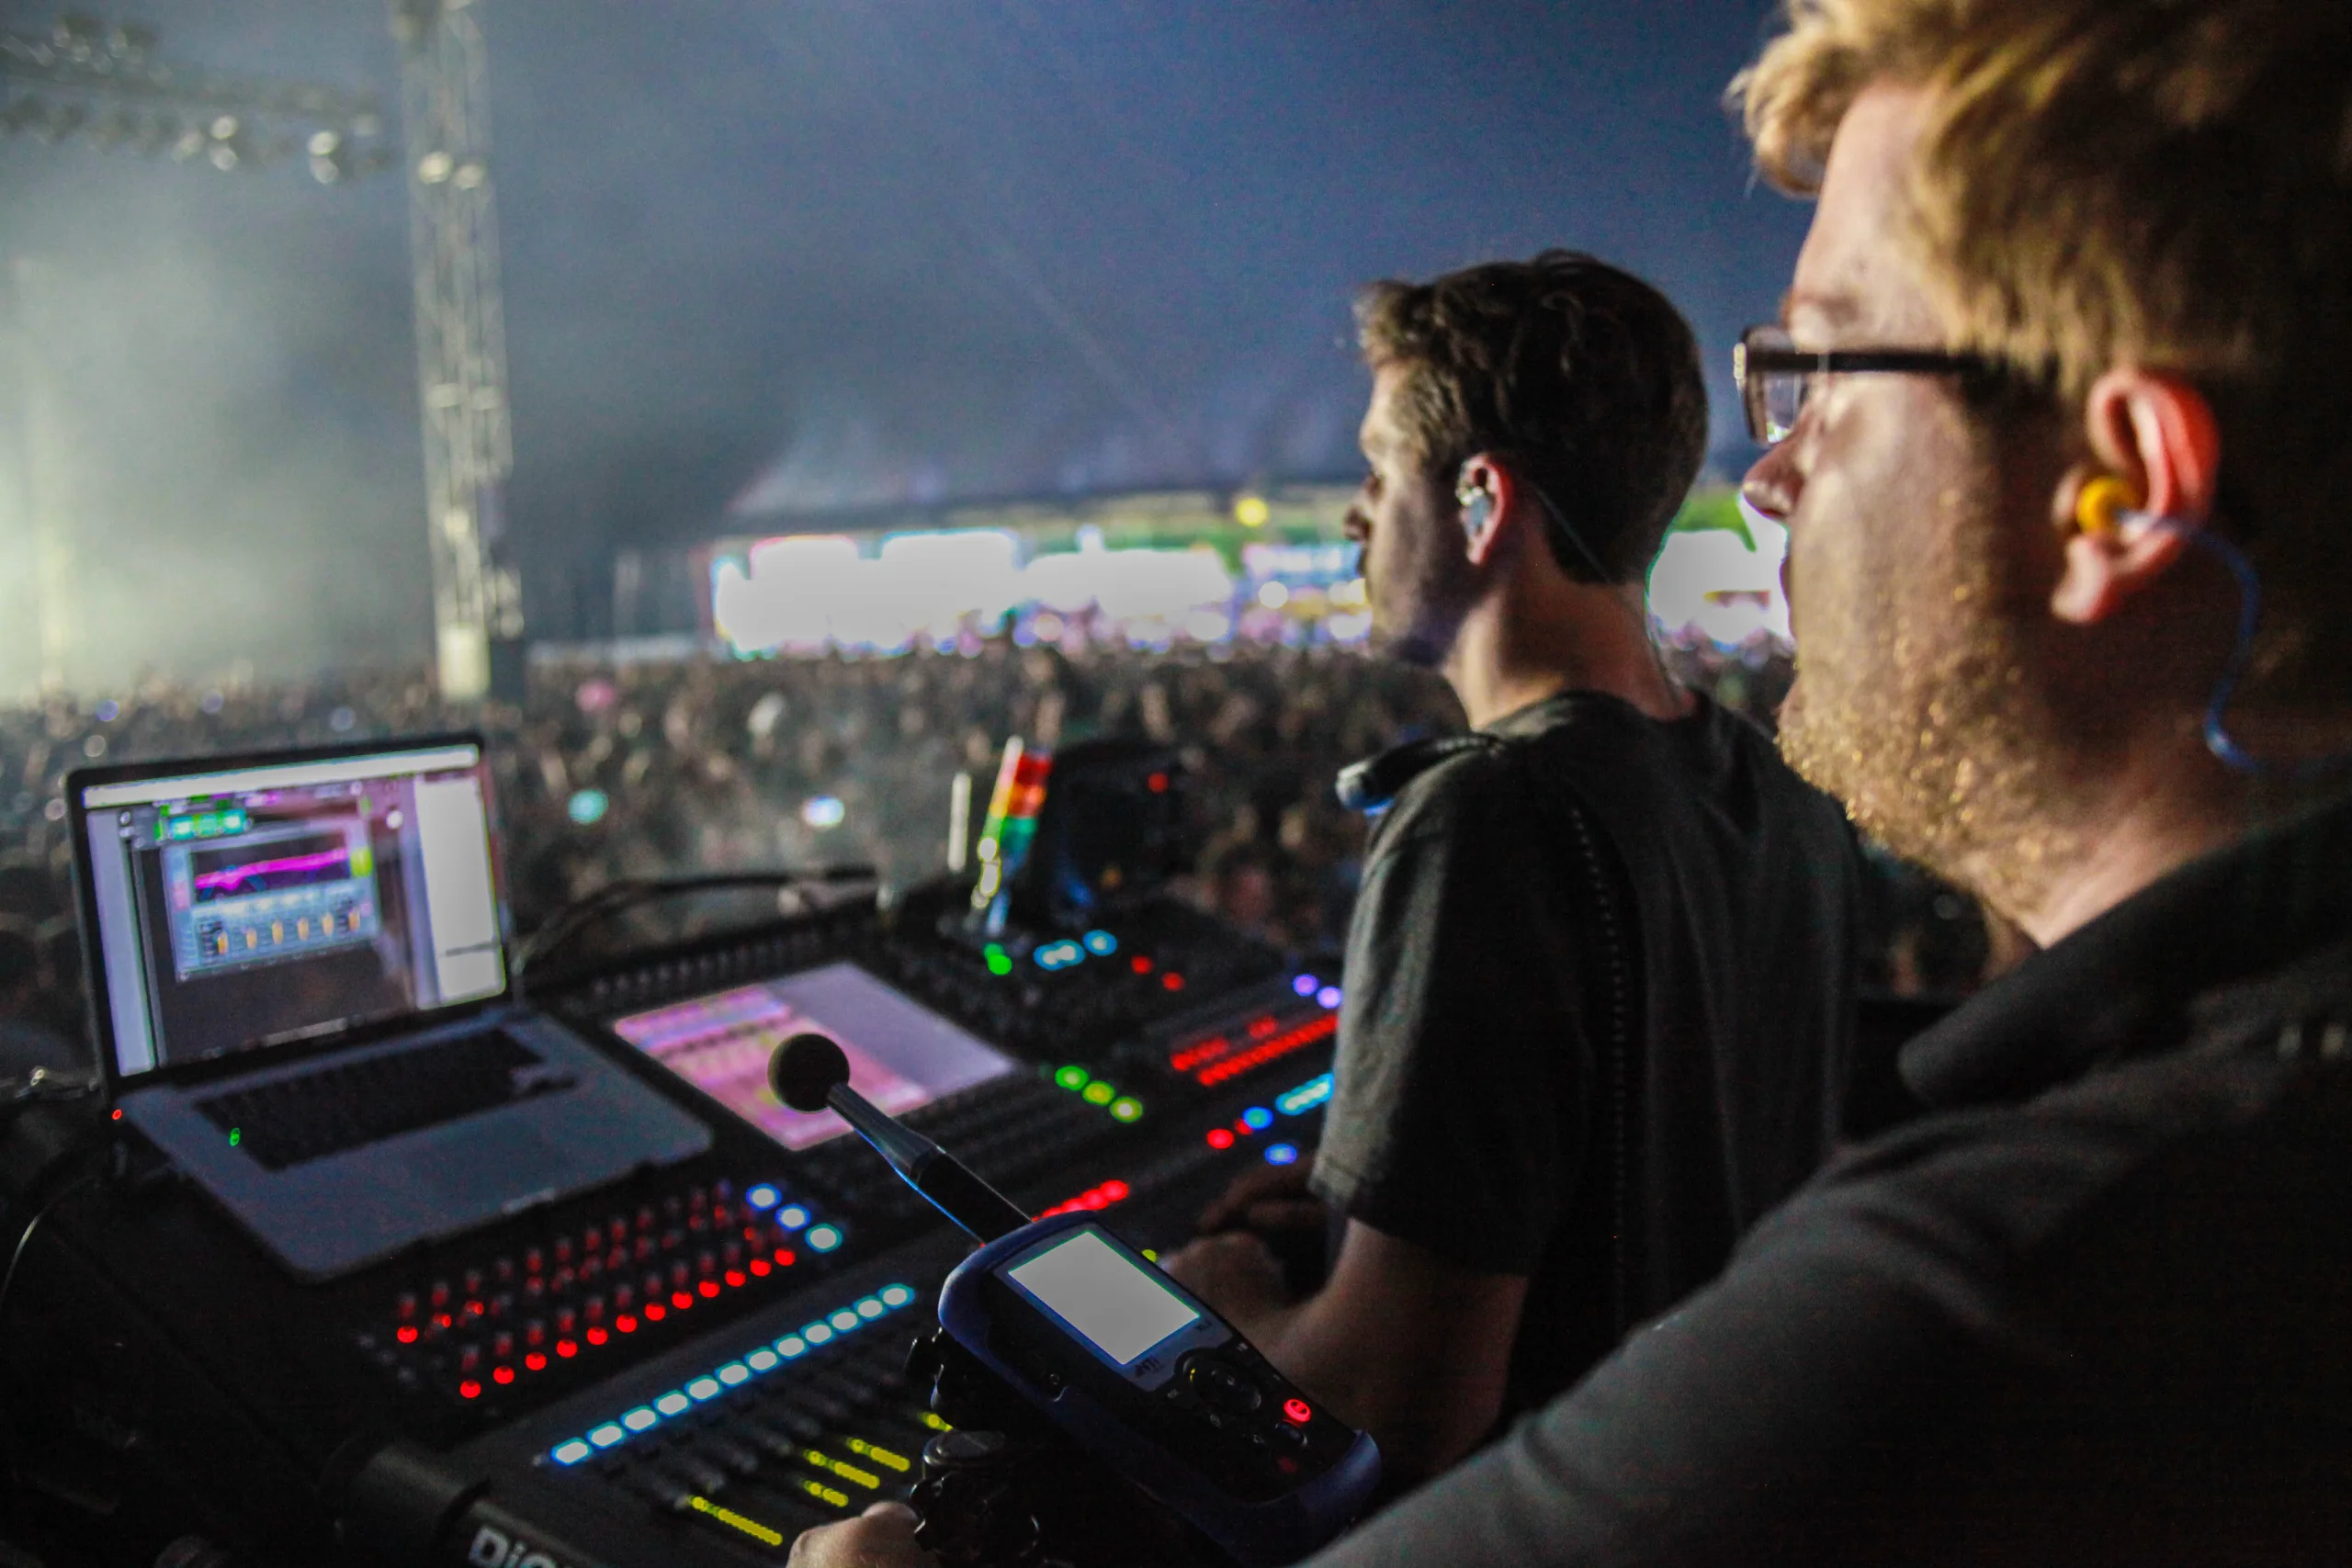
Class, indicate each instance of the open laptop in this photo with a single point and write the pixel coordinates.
(298, 975)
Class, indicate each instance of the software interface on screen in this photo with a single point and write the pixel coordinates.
(901, 1054)
(1122, 1309)
(284, 901)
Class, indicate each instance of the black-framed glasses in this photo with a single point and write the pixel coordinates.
(1775, 377)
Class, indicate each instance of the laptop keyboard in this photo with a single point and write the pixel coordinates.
(290, 1120)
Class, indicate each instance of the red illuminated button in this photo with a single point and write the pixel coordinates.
(469, 1390)
(1295, 1412)
(502, 1375)
(1220, 1137)
(1172, 980)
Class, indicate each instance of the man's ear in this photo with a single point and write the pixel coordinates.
(1491, 498)
(2156, 434)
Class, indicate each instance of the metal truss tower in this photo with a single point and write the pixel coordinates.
(460, 346)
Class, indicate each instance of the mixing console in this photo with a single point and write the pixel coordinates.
(693, 1364)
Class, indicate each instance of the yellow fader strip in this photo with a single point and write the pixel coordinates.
(878, 1454)
(821, 1492)
(734, 1520)
(842, 1467)
(933, 1421)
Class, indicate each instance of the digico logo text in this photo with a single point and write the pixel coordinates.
(496, 1549)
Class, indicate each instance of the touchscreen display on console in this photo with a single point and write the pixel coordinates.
(901, 1055)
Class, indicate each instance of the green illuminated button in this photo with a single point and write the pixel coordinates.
(1099, 1093)
(999, 963)
(1126, 1107)
(1071, 1078)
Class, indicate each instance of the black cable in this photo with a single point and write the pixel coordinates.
(615, 896)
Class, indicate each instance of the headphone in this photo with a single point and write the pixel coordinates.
(2107, 504)
(1477, 508)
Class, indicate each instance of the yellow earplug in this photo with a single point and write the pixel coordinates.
(2099, 508)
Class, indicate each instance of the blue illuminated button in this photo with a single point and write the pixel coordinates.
(734, 1372)
(896, 1295)
(844, 1320)
(1329, 996)
(571, 1452)
(824, 1238)
(704, 1388)
(762, 1360)
(1257, 1118)
(764, 1197)
(605, 1436)
(639, 1420)
(792, 1347)
(871, 1308)
(1101, 943)
(675, 1404)
(817, 1333)
(1304, 985)
(792, 1216)
(1280, 1154)
(1059, 955)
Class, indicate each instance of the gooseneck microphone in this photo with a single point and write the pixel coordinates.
(809, 1074)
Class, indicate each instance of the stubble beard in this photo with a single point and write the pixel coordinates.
(1419, 601)
(1915, 705)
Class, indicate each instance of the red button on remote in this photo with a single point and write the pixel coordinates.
(1295, 1412)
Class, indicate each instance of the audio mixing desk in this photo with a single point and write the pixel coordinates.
(693, 1364)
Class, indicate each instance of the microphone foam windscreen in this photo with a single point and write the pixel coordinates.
(804, 1070)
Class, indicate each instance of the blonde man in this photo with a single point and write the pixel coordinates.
(2062, 425)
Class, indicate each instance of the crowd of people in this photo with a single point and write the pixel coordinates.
(649, 769)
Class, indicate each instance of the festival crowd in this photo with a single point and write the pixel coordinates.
(653, 768)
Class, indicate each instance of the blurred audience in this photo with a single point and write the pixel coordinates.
(653, 768)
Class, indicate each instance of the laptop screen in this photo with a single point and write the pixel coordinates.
(283, 901)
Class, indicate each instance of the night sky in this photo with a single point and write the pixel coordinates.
(768, 256)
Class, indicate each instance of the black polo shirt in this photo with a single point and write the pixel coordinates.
(1598, 993)
(2097, 1307)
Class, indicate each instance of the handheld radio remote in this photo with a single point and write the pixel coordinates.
(1119, 1355)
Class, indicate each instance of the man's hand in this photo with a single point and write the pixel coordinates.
(1238, 1274)
(1266, 1197)
(884, 1536)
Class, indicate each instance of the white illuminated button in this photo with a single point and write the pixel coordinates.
(844, 1320)
(571, 1452)
(672, 1404)
(871, 1308)
(896, 1295)
(824, 1238)
(605, 1436)
(734, 1372)
(792, 1347)
(761, 1360)
(639, 1420)
(817, 1333)
(792, 1216)
(704, 1388)
(764, 1197)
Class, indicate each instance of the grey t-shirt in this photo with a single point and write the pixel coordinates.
(1489, 1104)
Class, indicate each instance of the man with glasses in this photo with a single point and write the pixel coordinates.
(2062, 421)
